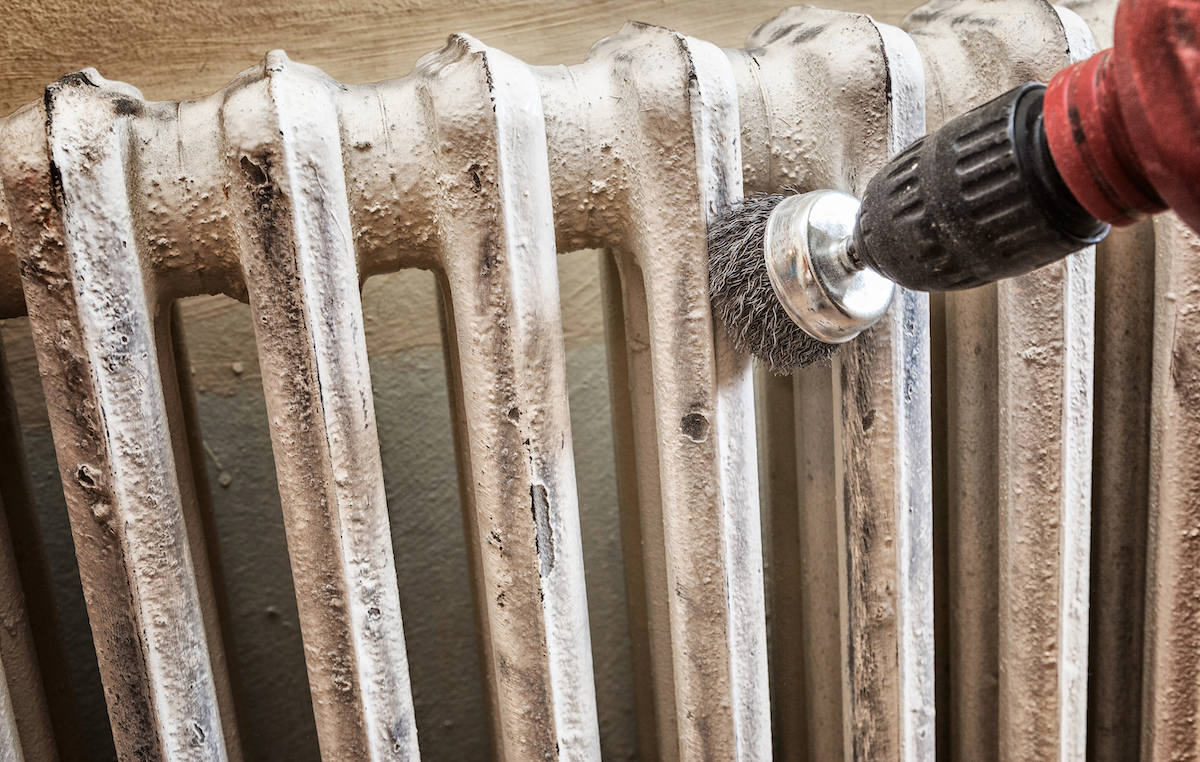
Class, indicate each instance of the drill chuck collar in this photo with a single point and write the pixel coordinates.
(975, 201)
(978, 200)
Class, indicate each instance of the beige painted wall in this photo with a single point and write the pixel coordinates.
(177, 50)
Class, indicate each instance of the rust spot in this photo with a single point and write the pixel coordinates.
(88, 477)
(1185, 366)
(256, 173)
(694, 426)
(490, 252)
(56, 187)
(127, 107)
(544, 539)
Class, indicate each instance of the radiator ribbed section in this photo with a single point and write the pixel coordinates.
(939, 570)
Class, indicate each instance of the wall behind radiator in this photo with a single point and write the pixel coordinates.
(177, 50)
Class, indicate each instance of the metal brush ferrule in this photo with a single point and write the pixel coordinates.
(817, 281)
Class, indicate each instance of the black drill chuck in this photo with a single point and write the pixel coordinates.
(973, 202)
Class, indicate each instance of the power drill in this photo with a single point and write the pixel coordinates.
(1017, 183)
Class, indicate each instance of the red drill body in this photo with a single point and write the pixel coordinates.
(1124, 125)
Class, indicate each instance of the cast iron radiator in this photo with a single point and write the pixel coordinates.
(983, 520)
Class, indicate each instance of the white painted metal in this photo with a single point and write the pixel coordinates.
(782, 563)
(820, 551)
(641, 513)
(886, 500)
(714, 98)
(31, 641)
(65, 165)
(669, 249)
(1024, 692)
(880, 482)
(288, 189)
(524, 176)
(785, 76)
(1047, 354)
(1170, 697)
(1125, 347)
(499, 262)
(703, 439)
(644, 509)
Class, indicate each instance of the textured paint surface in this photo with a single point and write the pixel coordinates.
(878, 477)
(701, 628)
(391, 193)
(1020, 368)
(1170, 699)
(114, 452)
